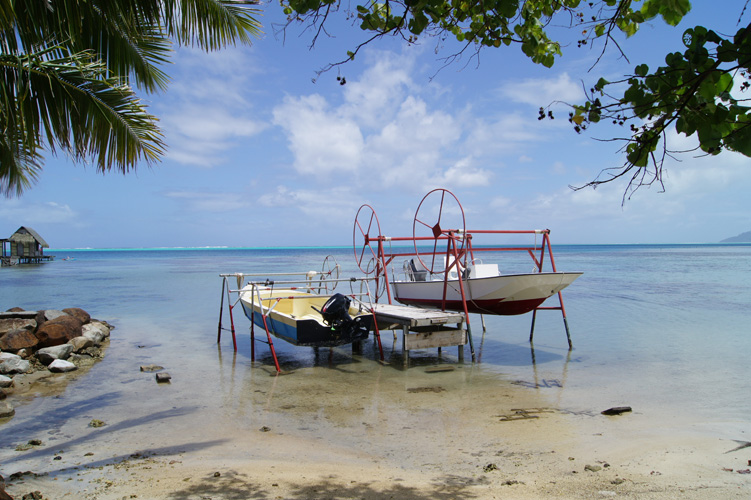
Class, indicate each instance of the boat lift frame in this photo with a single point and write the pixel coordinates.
(309, 285)
(458, 251)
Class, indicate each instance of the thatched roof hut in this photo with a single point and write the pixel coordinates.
(28, 236)
(26, 246)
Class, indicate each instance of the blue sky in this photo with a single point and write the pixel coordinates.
(261, 155)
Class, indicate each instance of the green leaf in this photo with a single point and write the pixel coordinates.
(601, 83)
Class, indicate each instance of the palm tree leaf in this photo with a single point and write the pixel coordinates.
(69, 104)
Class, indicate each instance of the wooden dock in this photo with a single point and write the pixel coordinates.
(423, 328)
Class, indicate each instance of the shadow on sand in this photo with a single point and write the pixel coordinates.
(235, 486)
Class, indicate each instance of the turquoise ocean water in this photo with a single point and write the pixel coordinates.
(661, 328)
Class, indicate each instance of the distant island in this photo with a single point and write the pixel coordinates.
(741, 238)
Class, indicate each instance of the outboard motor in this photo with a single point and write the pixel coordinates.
(335, 311)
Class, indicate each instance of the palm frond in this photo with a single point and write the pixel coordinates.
(66, 68)
(212, 24)
(70, 104)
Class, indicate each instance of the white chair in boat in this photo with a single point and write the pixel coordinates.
(414, 270)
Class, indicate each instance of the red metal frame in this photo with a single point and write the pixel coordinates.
(458, 248)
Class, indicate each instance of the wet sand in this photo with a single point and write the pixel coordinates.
(353, 429)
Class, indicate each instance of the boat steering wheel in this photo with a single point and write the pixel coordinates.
(439, 216)
(362, 236)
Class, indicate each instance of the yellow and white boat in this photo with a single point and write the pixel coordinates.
(304, 318)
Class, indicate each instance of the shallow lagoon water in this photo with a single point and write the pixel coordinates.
(663, 329)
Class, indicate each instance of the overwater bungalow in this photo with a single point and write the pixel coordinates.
(25, 246)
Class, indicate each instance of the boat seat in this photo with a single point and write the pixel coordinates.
(415, 274)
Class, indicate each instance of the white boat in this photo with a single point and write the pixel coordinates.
(486, 290)
(301, 317)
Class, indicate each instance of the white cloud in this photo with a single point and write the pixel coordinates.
(209, 202)
(324, 204)
(385, 133)
(375, 96)
(25, 213)
(323, 140)
(544, 91)
(208, 111)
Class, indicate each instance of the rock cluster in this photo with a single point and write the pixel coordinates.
(54, 340)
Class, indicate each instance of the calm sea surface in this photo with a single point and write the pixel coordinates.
(664, 329)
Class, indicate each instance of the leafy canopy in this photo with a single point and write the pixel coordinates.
(694, 93)
(68, 69)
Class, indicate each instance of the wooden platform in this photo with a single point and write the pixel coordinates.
(423, 328)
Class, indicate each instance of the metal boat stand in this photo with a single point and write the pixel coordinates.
(458, 251)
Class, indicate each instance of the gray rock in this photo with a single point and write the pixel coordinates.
(96, 331)
(53, 313)
(6, 410)
(80, 343)
(50, 354)
(5, 381)
(4, 356)
(17, 365)
(61, 366)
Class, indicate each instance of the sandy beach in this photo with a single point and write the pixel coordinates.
(425, 437)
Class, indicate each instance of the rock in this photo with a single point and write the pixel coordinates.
(15, 340)
(96, 331)
(49, 354)
(93, 351)
(593, 468)
(15, 365)
(79, 314)
(151, 368)
(7, 355)
(10, 324)
(163, 377)
(6, 411)
(81, 343)
(96, 423)
(2, 395)
(50, 314)
(5, 381)
(58, 331)
(61, 366)
(617, 410)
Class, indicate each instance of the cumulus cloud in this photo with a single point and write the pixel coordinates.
(323, 140)
(386, 132)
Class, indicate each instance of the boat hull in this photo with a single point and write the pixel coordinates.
(290, 316)
(504, 295)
